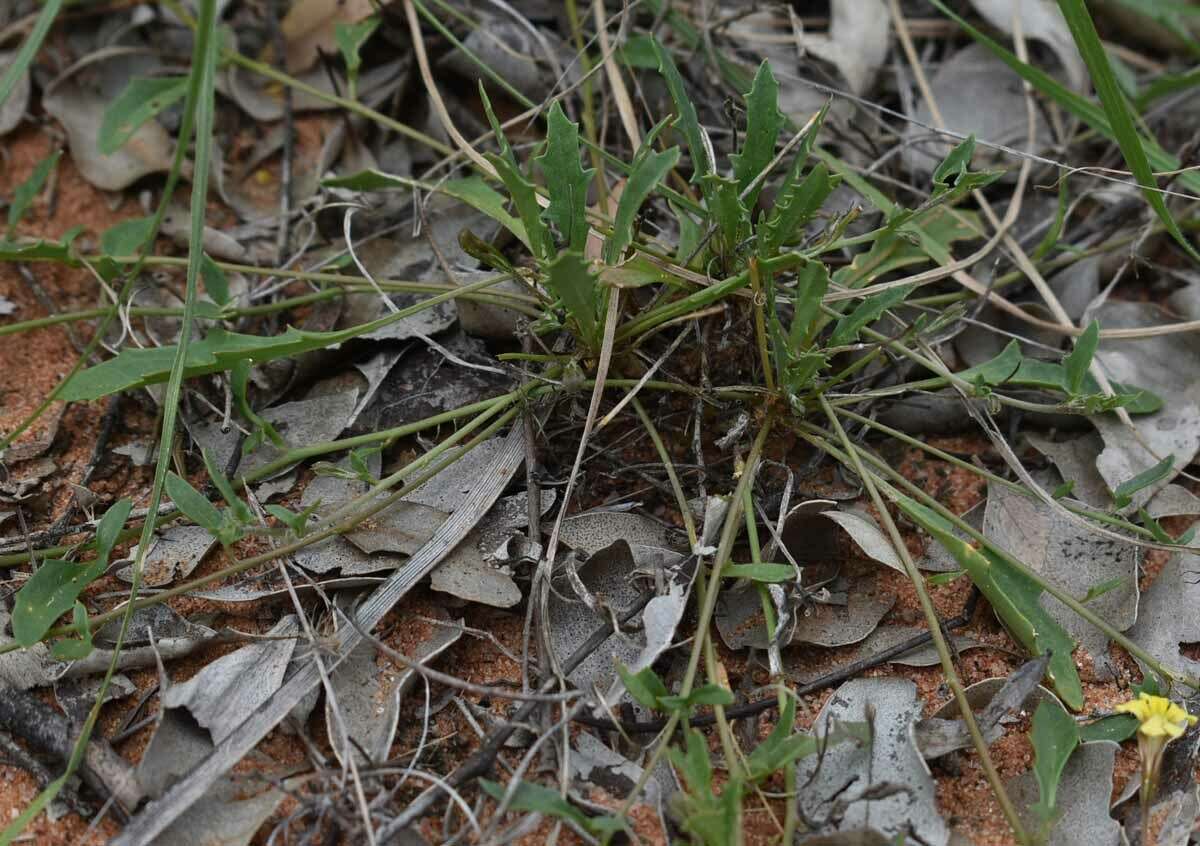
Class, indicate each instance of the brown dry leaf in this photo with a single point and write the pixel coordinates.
(309, 25)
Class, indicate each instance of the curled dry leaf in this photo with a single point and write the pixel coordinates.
(997, 701)
(228, 690)
(308, 28)
(608, 575)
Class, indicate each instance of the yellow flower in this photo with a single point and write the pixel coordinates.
(1161, 721)
(1159, 716)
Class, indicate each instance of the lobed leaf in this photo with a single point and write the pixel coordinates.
(567, 181)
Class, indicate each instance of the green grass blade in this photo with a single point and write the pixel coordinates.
(1080, 107)
(29, 49)
(1117, 110)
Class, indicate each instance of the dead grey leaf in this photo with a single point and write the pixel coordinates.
(368, 689)
(1077, 285)
(594, 763)
(177, 225)
(486, 319)
(593, 531)
(1042, 21)
(1173, 501)
(1167, 615)
(13, 109)
(173, 554)
(7, 306)
(229, 814)
(837, 784)
(76, 696)
(299, 423)
(177, 745)
(509, 49)
(227, 690)
(346, 553)
(976, 94)
(1178, 814)
(271, 585)
(81, 112)
(887, 637)
(1169, 365)
(137, 452)
(24, 668)
(940, 412)
(426, 382)
(608, 575)
(472, 571)
(1083, 793)
(1074, 559)
(740, 623)
(1075, 460)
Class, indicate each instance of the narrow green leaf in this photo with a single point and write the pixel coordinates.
(126, 237)
(567, 181)
(996, 371)
(956, 164)
(524, 197)
(1096, 591)
(1054, 738)
(1014, 597)
(709, 694)
(221, 482)
(108, 530)
(24, 194)
(868, 311)
(571, 278)
(760, 572)
(68, 649)
(54, 251)
(1116, 728)
(1079, 106)
(1123, 495)
(812, 281)
(141, 100)
(728, 210)
(763, 124)
(216, 285)
(193, 504)
(53, 588)
(1083, 30)
(1077, 362)
(649, 169)
(685, 111)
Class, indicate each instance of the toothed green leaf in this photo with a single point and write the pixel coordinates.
(571, 278)
(763, 123)
(649, 170)
(566, 180)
